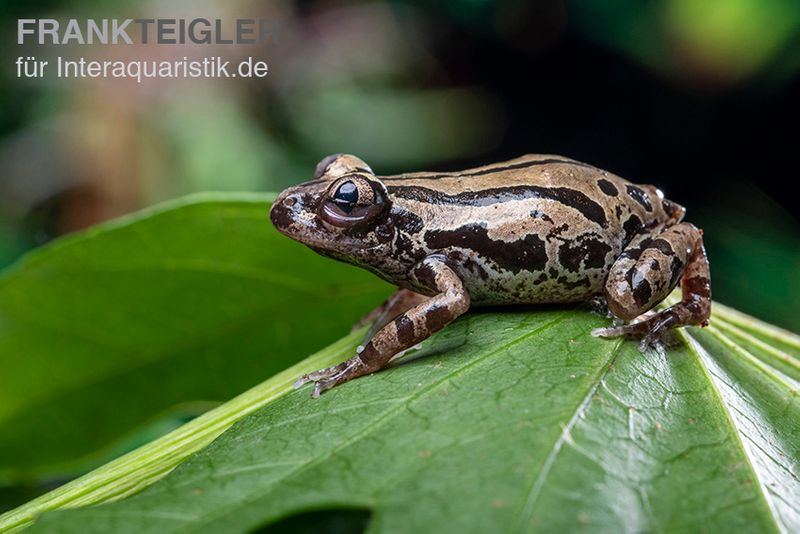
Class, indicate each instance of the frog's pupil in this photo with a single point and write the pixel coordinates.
(346, 196)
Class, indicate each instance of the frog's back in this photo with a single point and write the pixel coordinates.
(540, 228)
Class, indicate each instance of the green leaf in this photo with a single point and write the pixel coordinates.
(504, 421)
(193, 301)
(140, 468)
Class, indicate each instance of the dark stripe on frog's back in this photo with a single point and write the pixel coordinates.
(583, 187)
(526, 253)
(590, 208)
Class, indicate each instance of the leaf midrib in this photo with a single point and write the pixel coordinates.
(773, 374)
(692, 344)
(722, 330)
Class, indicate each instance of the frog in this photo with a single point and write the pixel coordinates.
(537, 229)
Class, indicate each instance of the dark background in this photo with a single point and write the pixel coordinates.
(699, 98)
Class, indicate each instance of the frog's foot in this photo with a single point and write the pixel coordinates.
(325, 379)
(650, 330)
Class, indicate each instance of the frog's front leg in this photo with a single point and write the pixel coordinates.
(646, 273)
(398, 302)
(406, 330)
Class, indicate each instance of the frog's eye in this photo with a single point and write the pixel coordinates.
(346, 196)
(353, 200)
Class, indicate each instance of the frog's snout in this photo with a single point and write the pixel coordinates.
(283, 210)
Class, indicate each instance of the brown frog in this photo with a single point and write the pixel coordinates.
(536, 229)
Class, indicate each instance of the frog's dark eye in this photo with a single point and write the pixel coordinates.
(346, 196)
(353, 200)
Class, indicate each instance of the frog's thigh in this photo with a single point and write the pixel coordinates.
(649, 268)
(693, 309)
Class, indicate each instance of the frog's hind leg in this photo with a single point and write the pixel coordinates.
(406, 330)
(647, 272)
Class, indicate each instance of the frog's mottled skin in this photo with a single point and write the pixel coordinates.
(536, 229)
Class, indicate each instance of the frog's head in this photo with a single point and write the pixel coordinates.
(342, 213)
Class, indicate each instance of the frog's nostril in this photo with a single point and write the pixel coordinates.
(280, 215)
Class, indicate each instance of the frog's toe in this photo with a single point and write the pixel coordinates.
(649, 332)
(658, 337)
(633, 329)
(345, 371)
(651, 340)
(613, 331)
(300, 382)
(321, 374)
(322, 386)
(327, 378)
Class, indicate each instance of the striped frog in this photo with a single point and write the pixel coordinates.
(536, 229)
